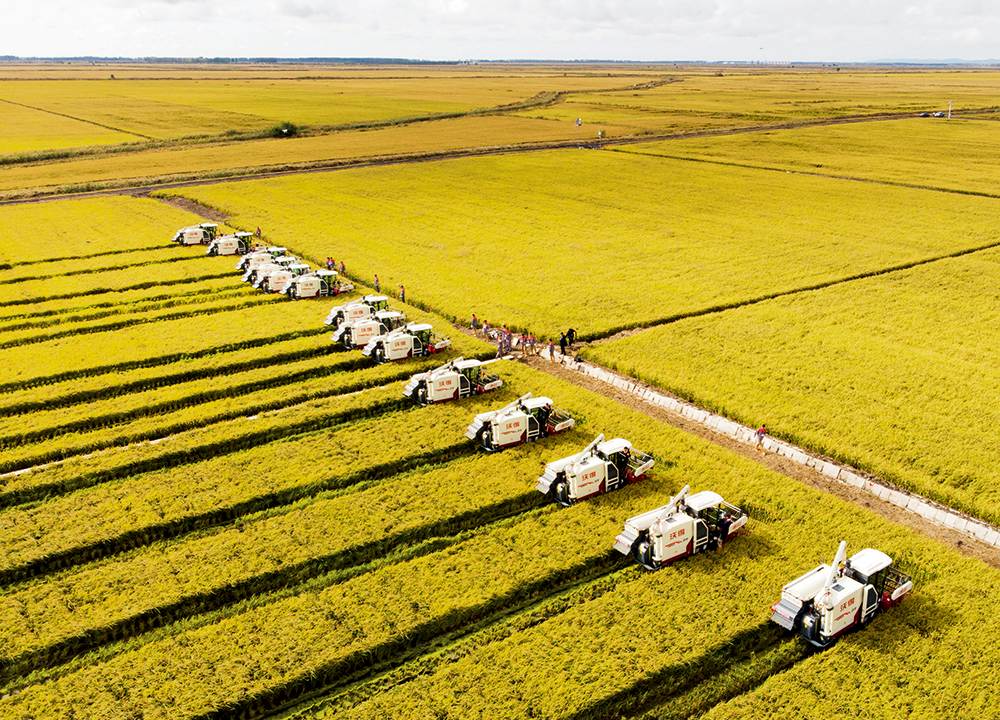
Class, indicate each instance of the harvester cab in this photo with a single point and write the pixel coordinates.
(832, 599)
(410, 341)
(356, 309)
(686, 525)
(358, 333)
(201, 234)
(320, 283)
(458, 378)
(602, 466)
(237, 244)
(525, 419)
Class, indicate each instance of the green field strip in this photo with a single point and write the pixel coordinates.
(112, 517)
(124, 288)
(173, 340)
(142, 426)
(90, 388)
(76, 315)
(54, 271)
(84, 327)
(162, 583)
(202, 443)
(126, 302)
(327, 634)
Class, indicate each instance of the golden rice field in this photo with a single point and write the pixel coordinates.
(638, 240)
(208, 510)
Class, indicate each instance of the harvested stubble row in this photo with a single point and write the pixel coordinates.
(55, 269)
(164, 581)
(115, 516)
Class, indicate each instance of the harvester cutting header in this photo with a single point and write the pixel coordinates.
(829, 600)
(458, 378)
(525, 419)
(686, 525)
(600, 467)
(201, 234)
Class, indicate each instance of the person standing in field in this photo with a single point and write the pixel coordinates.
(500, 345)
(571, 337)
(474, 325)
(376, 282)
(342, 268)
(531, 344)
(562, 343)
(761, 432)
(552, 351)
(402, 294)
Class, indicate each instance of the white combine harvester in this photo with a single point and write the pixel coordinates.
(278, 280)
(831, 599)
(686, 525)
(356, 309)
(458, 378)
(525, 419)
(262, 272)
(254, 259)
(237, 244)
(321, 283)
(412, 340)
(201, 234)
(600, 467)
(358, 333)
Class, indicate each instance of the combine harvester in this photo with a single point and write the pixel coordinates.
(201, 234)
(257, 276)
(829, 600)
(321, 283)
(252, 260)
(358, 333)
(277, 281)
(525, 419)
(687, 525)
(600, 467)
(456, 379)
(237, 244)
(356, 309)
(411, 341)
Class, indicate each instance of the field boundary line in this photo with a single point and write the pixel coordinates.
(832, 470)
(76, 119)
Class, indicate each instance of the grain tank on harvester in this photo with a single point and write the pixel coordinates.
(250, 261)
(600, 467)
(829, 600)
(458, 378)
(687, 525)
(525, 419)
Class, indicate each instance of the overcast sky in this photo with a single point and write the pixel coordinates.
(744, 30)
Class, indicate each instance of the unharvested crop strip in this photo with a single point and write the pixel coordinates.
(92, 271)
(723, 307)
(220, 589)
(162, 359)
(102, 291)
(47, 260)
(126, 322)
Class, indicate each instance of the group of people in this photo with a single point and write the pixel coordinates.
(331, 264)
(527, 343)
